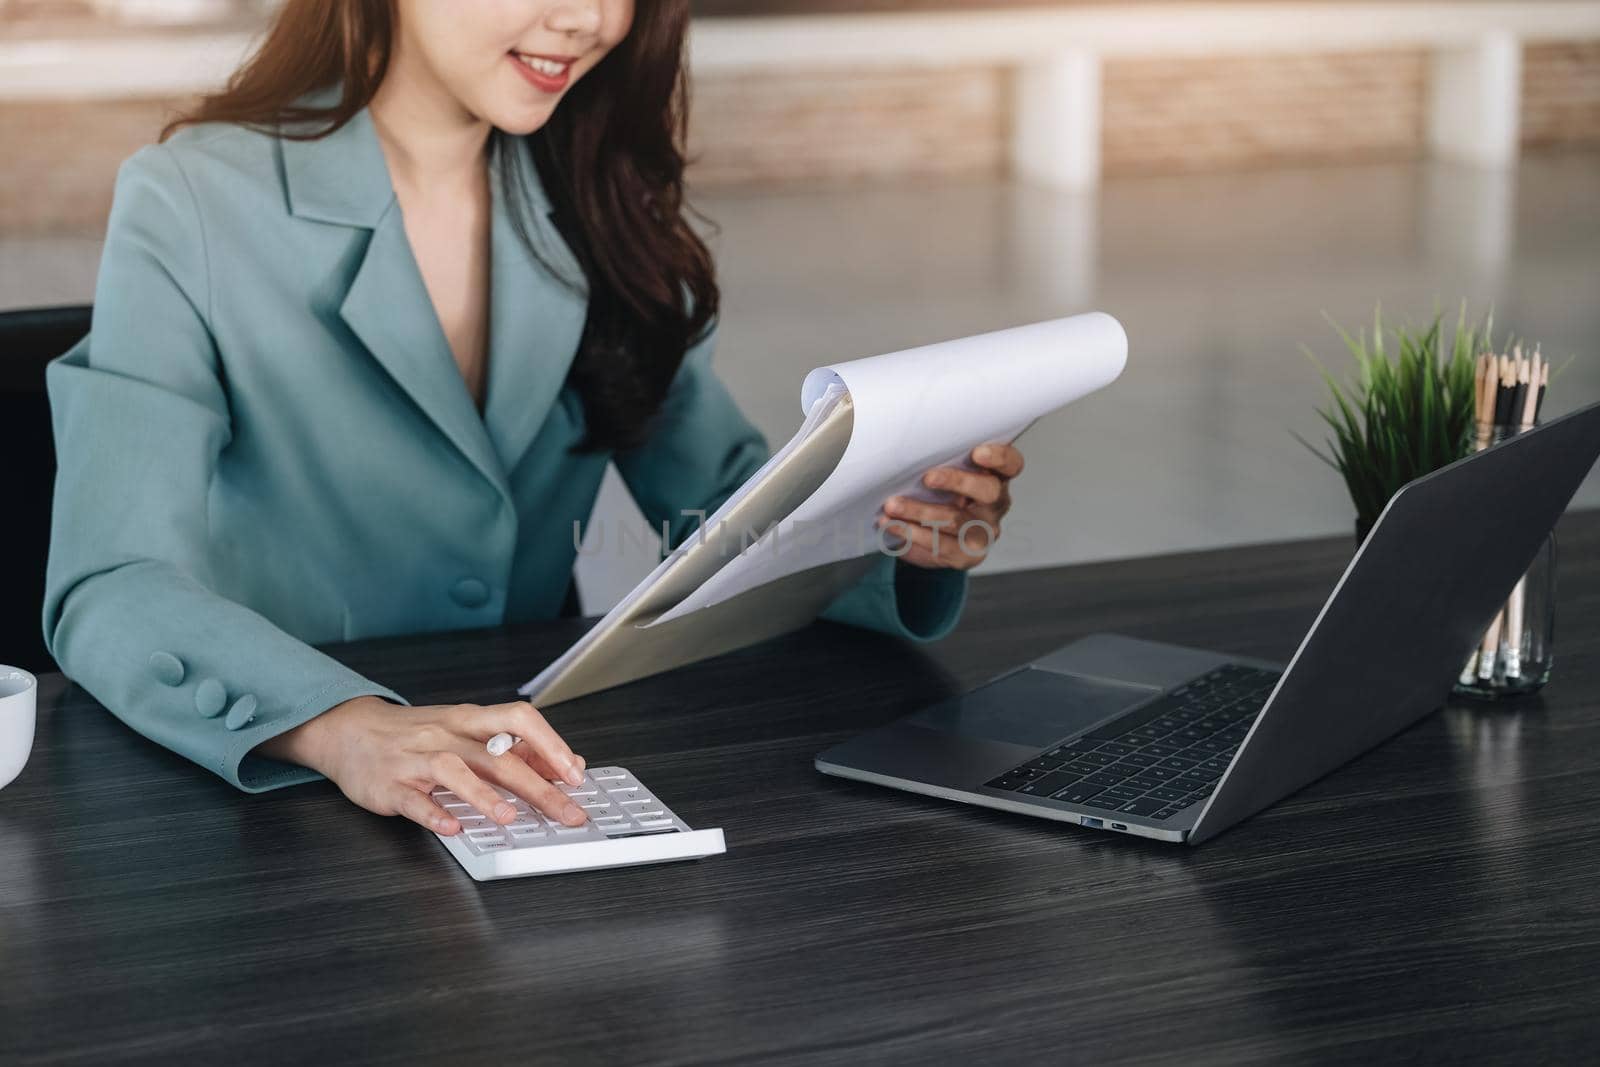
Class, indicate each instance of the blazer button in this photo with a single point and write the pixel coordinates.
(243, 710)
(470, 593)
(167, 668)
(210, 698)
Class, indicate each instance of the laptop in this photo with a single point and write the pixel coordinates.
(1178, 744)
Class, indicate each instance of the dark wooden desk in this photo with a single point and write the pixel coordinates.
(1435, 900)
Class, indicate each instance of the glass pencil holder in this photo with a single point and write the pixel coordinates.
(1514, 655)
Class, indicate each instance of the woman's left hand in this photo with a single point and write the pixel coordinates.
(956, 534)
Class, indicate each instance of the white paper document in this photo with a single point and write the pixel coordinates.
(913, 410)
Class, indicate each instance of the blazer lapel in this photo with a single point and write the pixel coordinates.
(388, 307)
(538, 304)
(343, 179)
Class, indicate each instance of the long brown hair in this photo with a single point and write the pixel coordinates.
(610, 159)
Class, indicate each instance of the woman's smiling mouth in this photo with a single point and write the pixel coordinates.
(549, 73)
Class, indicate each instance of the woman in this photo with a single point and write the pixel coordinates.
(367, 331)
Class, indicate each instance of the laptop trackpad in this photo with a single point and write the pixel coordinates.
(1033, 707)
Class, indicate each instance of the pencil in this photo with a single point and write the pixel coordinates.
(1530, 409)
(1515, 607)
(1487, 382)
(1489, 651)
(1507, 384)
(1489, 402)
(1519, 393)
(1508, 415)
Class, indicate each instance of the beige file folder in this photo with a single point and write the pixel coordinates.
(628, 648)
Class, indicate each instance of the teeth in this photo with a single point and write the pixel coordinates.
(543, 66)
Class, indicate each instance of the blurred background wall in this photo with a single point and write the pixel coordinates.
(760, 127)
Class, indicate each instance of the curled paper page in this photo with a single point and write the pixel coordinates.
(917, 409)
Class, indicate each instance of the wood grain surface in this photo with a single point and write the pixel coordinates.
(1434, 901)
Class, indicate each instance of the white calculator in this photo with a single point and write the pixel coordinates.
(627, 824)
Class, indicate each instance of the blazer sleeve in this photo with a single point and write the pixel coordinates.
(141, 416)
(703, 448)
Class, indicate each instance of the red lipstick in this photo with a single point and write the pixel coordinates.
(543, 79)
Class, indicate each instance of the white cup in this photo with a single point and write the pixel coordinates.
(18, 699)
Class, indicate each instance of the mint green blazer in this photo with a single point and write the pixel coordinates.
(265, 444)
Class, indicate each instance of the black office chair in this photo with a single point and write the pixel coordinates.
(28, 340)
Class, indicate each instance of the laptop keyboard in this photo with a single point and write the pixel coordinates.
(1158, 759)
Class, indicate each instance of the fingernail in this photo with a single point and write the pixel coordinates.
(504, 812)
(934, 480)
(572, 815)
(573, 773)
(444, 826)
(894, 503)
(987, 455)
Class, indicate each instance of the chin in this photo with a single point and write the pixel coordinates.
(519, 121)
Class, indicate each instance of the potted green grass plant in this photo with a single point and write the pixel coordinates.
(1407, 409)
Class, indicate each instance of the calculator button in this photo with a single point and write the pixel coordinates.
(491, 846)
(586, 789)
(650, 824)
(601, 774)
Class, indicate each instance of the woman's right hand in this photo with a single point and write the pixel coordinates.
(388, 758)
